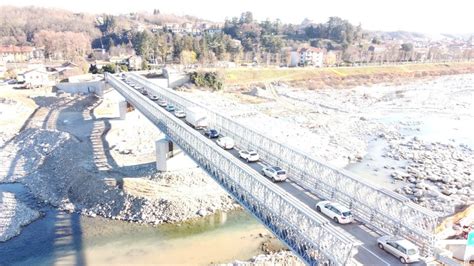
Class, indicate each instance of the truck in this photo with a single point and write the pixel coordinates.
(196, 117)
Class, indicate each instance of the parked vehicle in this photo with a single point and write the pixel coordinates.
(162, 103)
(250, 156)
(226, 142)
(153, 97)
(179, 113)
(275, 173)
(170, 108)
(339, 213)
(399, 247)
(211, 133)
(196, 117)
(144, 92)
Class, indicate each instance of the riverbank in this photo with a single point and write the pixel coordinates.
(70, 159)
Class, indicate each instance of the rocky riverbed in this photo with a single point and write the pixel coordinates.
(421, 130)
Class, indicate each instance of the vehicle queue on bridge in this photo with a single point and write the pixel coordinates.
(402, 249)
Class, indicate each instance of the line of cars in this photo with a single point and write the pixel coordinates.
(160, 101)
(401, 248)
(275, 173)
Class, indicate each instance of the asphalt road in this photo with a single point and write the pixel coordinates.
(367, 254)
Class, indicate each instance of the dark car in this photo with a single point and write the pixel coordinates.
(212, 133)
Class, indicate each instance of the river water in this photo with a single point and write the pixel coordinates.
(62, 238)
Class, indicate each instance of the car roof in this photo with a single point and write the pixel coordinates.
(340, 207)
(405, 243)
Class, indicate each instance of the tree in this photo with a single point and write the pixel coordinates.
(376, 40)
(187, 57)
(246, 17)
(62, 45)
(110, 68)
(407, 51)
(94, 70)
(142, 43)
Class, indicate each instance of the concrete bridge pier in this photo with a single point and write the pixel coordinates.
(165, 149)
(169, 157)
(122, 106)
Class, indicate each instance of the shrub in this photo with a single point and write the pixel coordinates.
(207, 79)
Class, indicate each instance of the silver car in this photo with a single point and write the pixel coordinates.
(275, 173)
(399, 247)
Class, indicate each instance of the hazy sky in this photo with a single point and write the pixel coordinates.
(427, 16)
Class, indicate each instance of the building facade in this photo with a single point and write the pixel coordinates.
(11, 53)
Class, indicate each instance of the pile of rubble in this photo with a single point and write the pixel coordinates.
(277, 258)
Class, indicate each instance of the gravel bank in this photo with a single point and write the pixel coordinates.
(58, 160)
(277, 258)
(13, 216)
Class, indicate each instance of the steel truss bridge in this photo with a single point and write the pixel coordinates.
(312, 237)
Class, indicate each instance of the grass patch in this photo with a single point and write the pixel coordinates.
(245, 76)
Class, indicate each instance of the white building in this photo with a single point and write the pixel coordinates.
(35, 78)
(307, 57)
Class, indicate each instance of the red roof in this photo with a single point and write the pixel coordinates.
(16, 49)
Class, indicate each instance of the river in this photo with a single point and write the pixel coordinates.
(63, 238)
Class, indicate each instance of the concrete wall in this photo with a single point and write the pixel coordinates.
(96, 87)
(175, 78)
(178, 79)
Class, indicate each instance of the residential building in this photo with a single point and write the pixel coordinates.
(13, 53)
(35, 78)
(134, 62)
(67, 70)
(331, 58)
(309, 56)
(187, 27)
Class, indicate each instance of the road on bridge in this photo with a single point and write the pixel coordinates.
(368, 253)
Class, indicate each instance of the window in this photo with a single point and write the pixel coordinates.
(395, 245)
(412, 251)
(402, 249)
